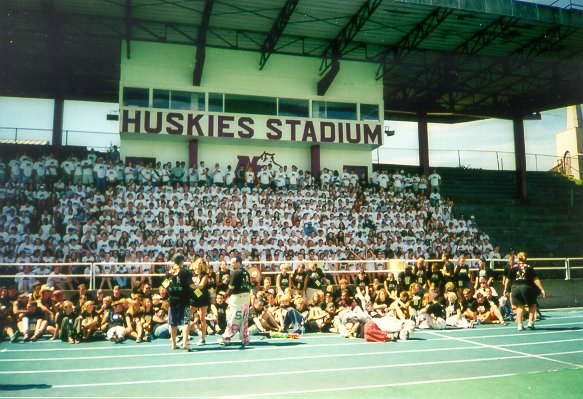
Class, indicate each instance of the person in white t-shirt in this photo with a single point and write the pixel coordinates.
(383, 180)
(202, 174)
(14, 165)
(100, 171)
(218, 176)
(434, 180)
(250, 178)
(293, 178)
(52, 166)
(264, 178)
(280, 179)
(68, 168)
(40, 170)
(229, 177)
(87, 173)
(130, 173)
(26, 167)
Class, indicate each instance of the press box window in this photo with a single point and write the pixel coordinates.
(294, 107)
(161, 99)
(134, 97)
(186, 100)
(250, 105)
(341, 111)
(331, 110)
(369, 112)
(318, 109)
(215, 102)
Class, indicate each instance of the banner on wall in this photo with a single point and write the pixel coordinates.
(247, 127)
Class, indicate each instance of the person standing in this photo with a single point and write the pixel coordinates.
(525, 286)
(200, 299)
(238, 309)
(178, 286)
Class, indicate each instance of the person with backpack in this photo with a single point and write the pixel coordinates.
(178, 287)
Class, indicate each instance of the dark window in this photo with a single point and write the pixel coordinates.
(294, 107)
(369, 112)
(161, 99)
(341, 111)
(238, 104)
(134, 97)
(215, 102)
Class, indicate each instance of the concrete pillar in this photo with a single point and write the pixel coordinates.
(58, 110)
(423, 143)
(192, 153)
(520, 157)
(315, 160)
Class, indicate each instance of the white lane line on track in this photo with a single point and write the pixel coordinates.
(274, 348)
(307, 337)
(376, 386)
(279, 359)
(297, 372)
(498, 347)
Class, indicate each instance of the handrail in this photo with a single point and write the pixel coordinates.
(390, 265)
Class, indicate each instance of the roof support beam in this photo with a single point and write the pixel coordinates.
(62, 70)
(411, 40)
(201, 43)
(444, 74)
(330, 65)
(521, 58)
(276, 30)
(128, 28)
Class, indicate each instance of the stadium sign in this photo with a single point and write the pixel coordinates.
(244, 127)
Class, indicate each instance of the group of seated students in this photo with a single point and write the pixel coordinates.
(57, 218)
(293, 300)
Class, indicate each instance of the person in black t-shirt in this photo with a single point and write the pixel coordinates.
(299, 279)
(432, 316)
(525, 288)
(178, 286)
(238, 310)
(468, 305)
(201, 299)
(316, 280)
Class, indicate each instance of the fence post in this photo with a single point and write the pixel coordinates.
(92, 279)
(567, 269)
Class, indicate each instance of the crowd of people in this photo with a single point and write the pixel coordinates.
(133, 219)
(194, 298)
(127, 221)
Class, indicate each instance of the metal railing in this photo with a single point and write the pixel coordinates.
(465, 158)
(70, 137)
(547, 268)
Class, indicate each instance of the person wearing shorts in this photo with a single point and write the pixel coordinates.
(524, 283)
(178, 286)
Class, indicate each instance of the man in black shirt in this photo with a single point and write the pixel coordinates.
(238, 310)
(178, 285)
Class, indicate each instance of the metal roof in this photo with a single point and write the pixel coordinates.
(452, 59)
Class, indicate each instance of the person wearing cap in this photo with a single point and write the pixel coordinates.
(34, 316)
(178, 281)
(525, 287)
(238, 309)
(116, 323)
(483, 272)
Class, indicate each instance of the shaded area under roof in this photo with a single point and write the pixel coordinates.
(455, 60)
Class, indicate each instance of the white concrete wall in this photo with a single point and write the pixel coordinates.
(237, 72)
(166, 66)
